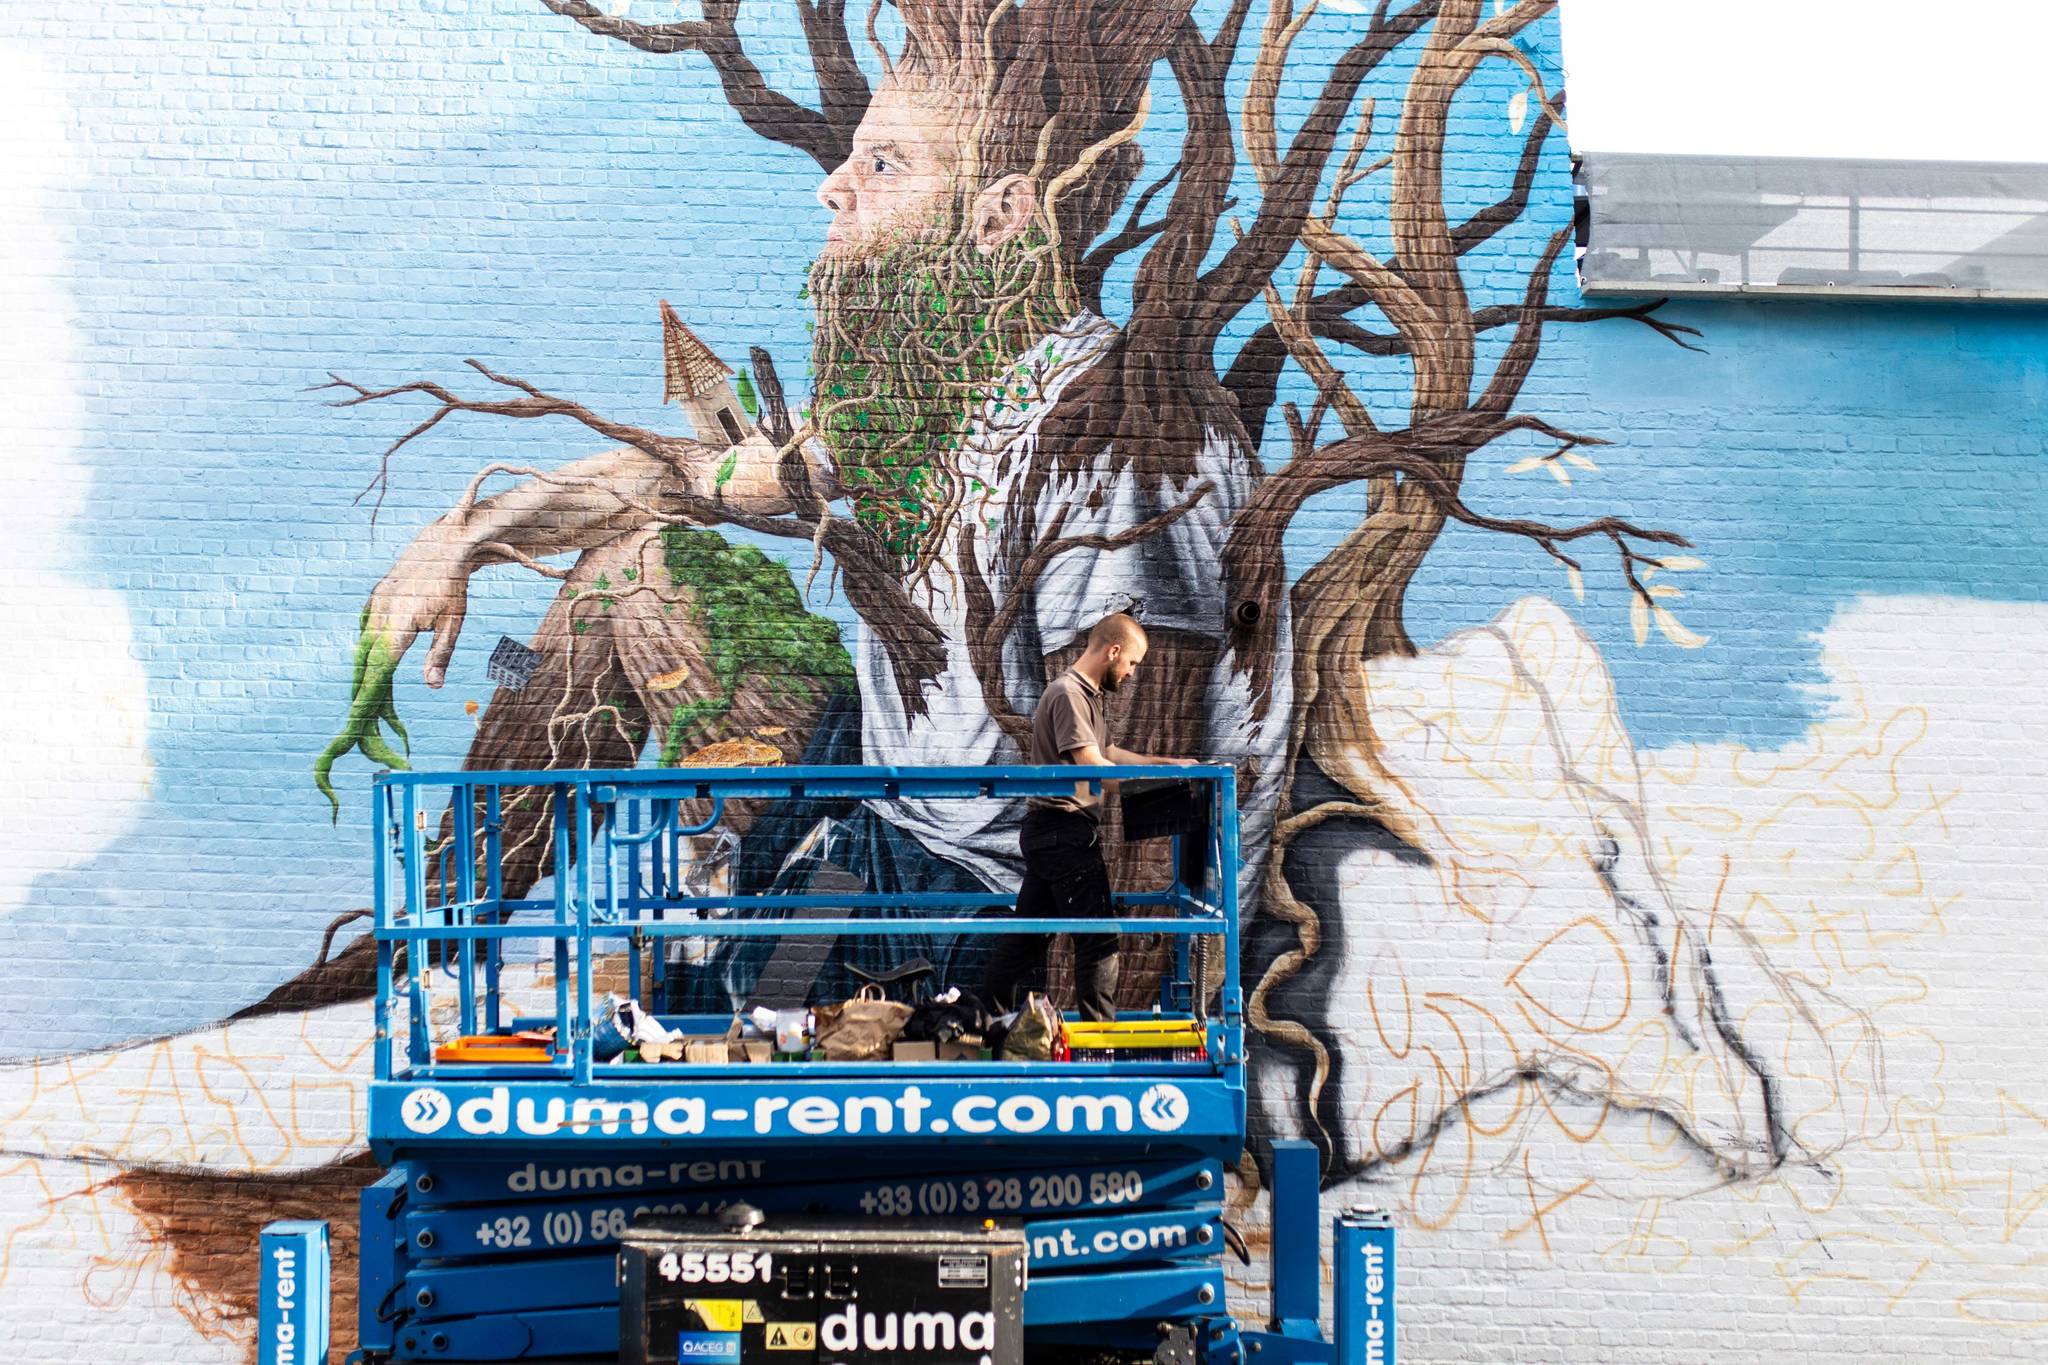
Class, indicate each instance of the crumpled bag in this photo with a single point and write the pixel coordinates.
(862, 1029)
(1034, 1034)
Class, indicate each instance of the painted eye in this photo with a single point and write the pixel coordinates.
(881, 166)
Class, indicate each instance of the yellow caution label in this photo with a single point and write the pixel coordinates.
(792, 1336)
(752, 1312)
(718, 1315)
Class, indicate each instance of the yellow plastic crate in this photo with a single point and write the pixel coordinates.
(1136, 1040)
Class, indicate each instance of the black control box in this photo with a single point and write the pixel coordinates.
(819, 1291)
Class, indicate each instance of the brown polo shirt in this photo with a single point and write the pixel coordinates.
(1069, 716)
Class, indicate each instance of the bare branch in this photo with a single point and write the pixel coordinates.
(825, 137)
(1505, 26)
(1330, 385)
(842, 85)
(1501, 47)
(513, 555)
(1254, 375)
(1224, 44)
(1482, 226)
(1235, 280)
(1095, 265)
(1520, 359)
(671, 449)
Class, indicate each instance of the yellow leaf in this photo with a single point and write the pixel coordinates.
(668, 682)
(1639, 617)
(1579, 461)
(1665, 590)
(1518, 111)
(1557, 472)
(1524, 466)
(1578, 582)
(1677, 634)
(1649, 572)
(1680, 563)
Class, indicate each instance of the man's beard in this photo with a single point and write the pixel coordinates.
(910, 342)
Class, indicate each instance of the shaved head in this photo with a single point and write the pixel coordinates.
(1119, 629)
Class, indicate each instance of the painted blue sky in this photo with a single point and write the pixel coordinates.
(247, 217)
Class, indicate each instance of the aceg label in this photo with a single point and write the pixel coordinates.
(708, 1348)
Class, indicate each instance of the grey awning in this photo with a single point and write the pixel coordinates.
(1806, 226)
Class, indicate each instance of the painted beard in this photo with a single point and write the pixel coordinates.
(909, 341)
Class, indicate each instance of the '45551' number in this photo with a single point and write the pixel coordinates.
(716, 1267)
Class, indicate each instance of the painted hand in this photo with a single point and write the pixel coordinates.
(426, 590)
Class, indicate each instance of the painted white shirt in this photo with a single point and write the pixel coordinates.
(1172, 576)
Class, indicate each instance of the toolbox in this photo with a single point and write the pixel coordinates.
(741, 1289)
(1162, 808)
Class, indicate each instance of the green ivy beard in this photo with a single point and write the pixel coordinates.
(909, 343)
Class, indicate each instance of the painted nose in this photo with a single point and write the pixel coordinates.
(836, 193)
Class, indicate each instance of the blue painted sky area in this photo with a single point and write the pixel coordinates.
(253, 214)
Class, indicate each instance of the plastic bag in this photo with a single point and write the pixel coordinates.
(1034, 1034)
(862, 1029)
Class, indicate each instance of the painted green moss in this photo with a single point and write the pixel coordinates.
(755, 627)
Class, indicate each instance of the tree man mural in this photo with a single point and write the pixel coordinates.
(990, 464)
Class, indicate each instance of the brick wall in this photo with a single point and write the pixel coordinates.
(1667, 962)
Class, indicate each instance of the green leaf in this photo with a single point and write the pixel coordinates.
(732, 462)
(747, 399)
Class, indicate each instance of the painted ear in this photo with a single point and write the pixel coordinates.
(1003, 210)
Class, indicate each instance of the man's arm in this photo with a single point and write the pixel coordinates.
(1092, 757)
(1131, 759)
(575, 508)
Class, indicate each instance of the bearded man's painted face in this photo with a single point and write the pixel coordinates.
(901, 175)
(918, 313)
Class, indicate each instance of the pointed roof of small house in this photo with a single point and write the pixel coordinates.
(691, 369)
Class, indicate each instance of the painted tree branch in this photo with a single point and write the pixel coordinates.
(915, 647)
(826, 137)
(1253, 377)
(1236, 280)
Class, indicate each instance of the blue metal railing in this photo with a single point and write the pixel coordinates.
(620, 879)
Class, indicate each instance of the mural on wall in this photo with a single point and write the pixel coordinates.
(987, 451)
(991, 466)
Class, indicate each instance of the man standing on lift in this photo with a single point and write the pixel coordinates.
(1064, 875)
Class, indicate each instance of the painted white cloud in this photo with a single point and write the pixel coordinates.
(74, 726)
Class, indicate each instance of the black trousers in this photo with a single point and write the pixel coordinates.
(1064, 878)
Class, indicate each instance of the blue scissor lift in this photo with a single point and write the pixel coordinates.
(492, 1235)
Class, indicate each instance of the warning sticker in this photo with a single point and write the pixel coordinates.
(719, 1315)
(791, 1336)
(963, 1272)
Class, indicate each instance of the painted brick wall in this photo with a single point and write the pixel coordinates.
(1671, 964)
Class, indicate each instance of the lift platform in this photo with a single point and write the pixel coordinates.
(517, 1172)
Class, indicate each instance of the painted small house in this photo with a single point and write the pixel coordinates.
(695, 377)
